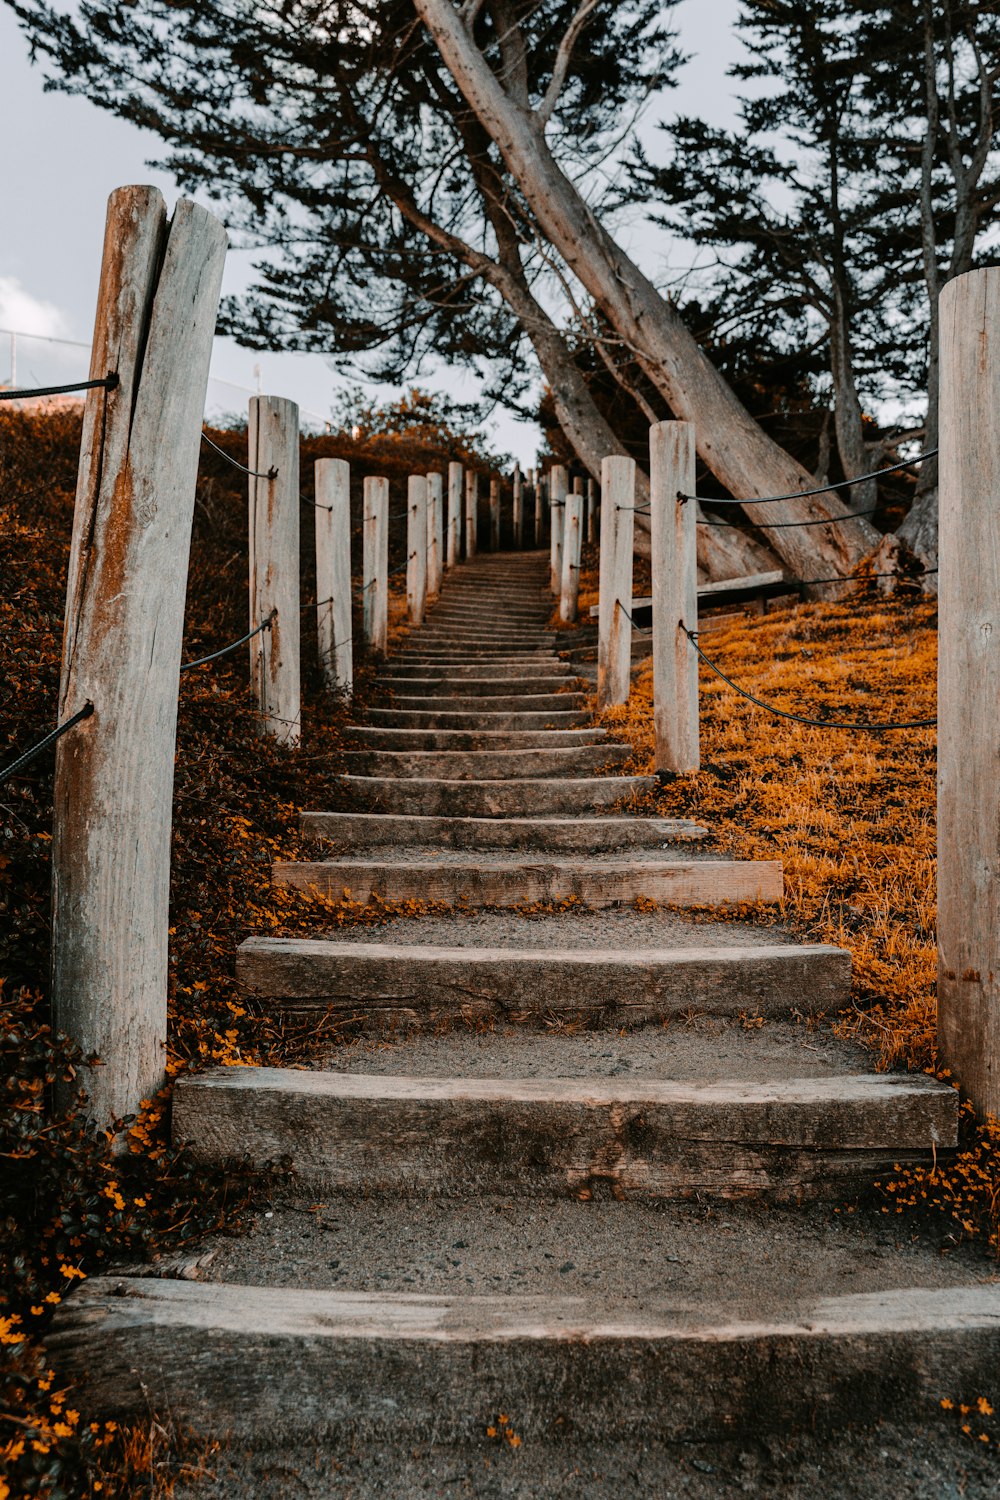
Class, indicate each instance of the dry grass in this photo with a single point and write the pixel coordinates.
(850, 814)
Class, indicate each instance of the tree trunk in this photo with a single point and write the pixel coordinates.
(730, 442)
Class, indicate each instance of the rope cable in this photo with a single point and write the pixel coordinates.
(109, 382)
(783, 713)
(271, 474)
(214, 655)
(839, 484)
(46, 740)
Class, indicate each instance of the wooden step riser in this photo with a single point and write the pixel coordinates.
(447, 686)
(494, 799)
(358, 1133)
(275, 1369)
(608, 987)
(464, 739)
(567, 835)
(679, 883)
(498, 703)
(387, 718)
(487, 765)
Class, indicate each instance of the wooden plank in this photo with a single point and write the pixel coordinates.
(471, 512)
(416, 548)
(969, 687)
(288, 1366)
(557, 509)
(375, 544)
(614, 637)
(569, 588)
(490, 881)
(453, 549)
(435, 532)
(495, 514)
(673, 564)
(156, 312)
(274, 565)
(333, 574)
(638, 985)
(518, 507)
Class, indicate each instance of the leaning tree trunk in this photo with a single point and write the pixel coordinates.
(730, 442)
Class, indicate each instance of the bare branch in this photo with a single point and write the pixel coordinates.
(564, 57)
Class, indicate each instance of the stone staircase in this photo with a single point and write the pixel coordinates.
(583, 1166)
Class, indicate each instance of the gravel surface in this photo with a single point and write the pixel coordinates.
(932, 1462)
(698, 1051)
(614, 928)
(702, 1263)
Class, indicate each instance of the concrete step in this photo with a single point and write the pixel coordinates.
(566, 835)
(538, 660)
(496, 722)
(487, 765)
(482, 635)
(499, 671)
(486, 685)
(498, 703)
(406, 976)
(368, 1134)
(275, 1368)
(496, 880)
(439, 798)
(466, 739)
(536, 613)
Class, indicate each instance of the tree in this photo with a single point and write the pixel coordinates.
(473, 49)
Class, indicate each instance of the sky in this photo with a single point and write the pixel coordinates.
(71, 155)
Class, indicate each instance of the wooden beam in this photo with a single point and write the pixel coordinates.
(614, 637)
(375, 564)
(127, 578)
(675, 599)
(969, 687)
(416, 548)
(333, 574)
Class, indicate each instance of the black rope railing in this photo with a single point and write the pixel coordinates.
(641, 629)
(838, 484)
(109, 382)
(186, 666)
(808, 583)
(43, 744)
(783, 713)
(271, 474)
(784, 525)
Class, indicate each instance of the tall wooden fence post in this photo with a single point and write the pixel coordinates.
(969, 687)
(113, 805)
(495, 514)
(333, 573)
(375, 563)
(540, 507)
(416, 548)
(435, 532)
(454, 513)
(517, 508)
(274, 564)
(569, 589)
(614, 624)
(591, 512)
(675, 596)
(471, 512)
(557, 515)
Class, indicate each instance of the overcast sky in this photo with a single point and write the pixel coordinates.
(54, 188)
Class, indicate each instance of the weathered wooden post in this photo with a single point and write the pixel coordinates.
(591, 512)
(375, 563)
(557, 513)
(495, 514)
(333, 573)
(274, 564)
(614, 623)
(156, 311)
(416, 548)
(569, 590)
(541, 506)
(517, 508)
(435, 532)
(471, 512)
(968, 753)
(454, 513)
(675, 596)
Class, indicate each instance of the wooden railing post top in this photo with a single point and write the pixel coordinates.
(278, 405)
(333, 466)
